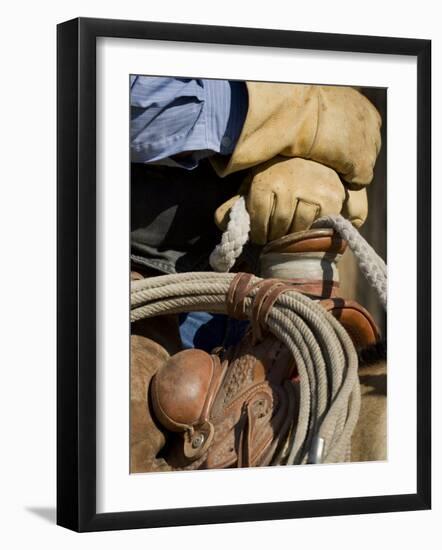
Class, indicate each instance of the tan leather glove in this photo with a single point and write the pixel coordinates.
(355, 207)
(333, 125)
(287, 195)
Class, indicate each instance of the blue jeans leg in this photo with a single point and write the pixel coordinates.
(207, 330)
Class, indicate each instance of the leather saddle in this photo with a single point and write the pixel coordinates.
(226, 409)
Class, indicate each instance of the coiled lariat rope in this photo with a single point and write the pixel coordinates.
(236, 235)
(326, 359)
(323, 351)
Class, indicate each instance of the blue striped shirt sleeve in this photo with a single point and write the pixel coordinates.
(177, 115)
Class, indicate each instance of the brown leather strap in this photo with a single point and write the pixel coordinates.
(270, 299)
(238, 290)
(244, 445)
(268, 291)
(265, 290)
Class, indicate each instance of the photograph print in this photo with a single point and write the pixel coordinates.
(257, 273)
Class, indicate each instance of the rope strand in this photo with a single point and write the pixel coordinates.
(234, 238)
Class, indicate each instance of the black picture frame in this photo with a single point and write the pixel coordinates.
(76, 273)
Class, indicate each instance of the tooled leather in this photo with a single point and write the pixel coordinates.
(259, 375)
(254, 412)
(236, 379)
(264, 428)
(253, 431)
(249, 364)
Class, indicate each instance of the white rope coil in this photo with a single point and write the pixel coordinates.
(323, 351)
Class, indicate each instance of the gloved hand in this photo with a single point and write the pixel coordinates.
(287, 195)
(333, 125)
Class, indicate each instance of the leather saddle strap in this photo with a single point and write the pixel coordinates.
(263, 307)
(266, 289)
(254, 450)
(245, 439)
(238, 290)
(267, 294)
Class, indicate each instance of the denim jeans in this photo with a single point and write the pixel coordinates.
(207, 330)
